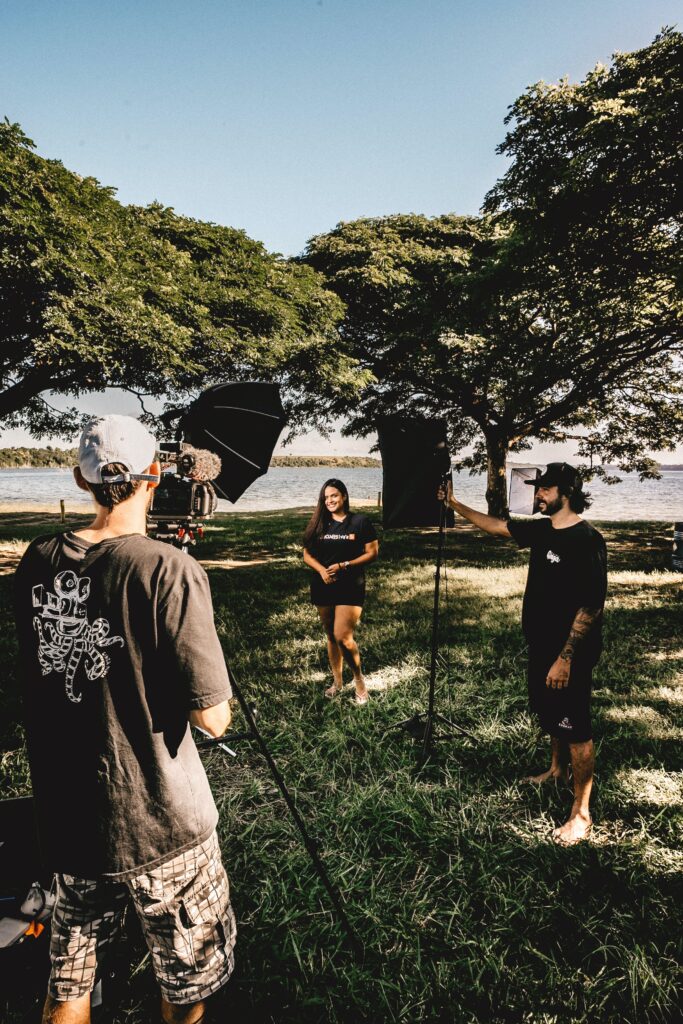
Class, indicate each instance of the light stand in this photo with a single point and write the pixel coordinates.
(421, 726)
(254, 734)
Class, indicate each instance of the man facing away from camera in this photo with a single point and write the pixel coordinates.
(118, 654)
(562, 623)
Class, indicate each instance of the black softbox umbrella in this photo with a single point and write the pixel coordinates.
(241, 423)
(415, 460)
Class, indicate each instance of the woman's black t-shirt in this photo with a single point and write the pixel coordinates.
(344, 541)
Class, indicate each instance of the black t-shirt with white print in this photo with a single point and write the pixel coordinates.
(567, 571)
(344, 541)
(117, 645)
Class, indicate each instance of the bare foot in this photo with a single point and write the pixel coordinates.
(552, 775)
(333, 691)
(574, 830)
(361, 695)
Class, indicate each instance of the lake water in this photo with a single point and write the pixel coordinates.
(292, 487)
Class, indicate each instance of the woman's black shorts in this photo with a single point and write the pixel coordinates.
(343, 591)
(565, 713)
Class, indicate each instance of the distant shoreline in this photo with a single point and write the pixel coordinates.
(67, 460)
(46, 458)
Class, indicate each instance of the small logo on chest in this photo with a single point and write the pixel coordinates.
(552, 557)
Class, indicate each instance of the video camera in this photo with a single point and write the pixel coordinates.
(240, 419)
(185, 497)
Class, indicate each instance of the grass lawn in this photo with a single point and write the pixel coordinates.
(466, 909)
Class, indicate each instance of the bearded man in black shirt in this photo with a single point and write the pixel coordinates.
(118, 654)
(561, 619)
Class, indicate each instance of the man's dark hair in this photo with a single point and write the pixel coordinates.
(110, 495)
(578, 500)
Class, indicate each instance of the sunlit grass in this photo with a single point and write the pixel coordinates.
(646, 720)
(651, 786)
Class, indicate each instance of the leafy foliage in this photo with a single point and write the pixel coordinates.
(95, 294)
(558, 313)
(593, 202)
(38, 457)
(401, 279)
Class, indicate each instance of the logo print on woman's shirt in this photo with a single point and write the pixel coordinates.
(65, 636)
(552, 557)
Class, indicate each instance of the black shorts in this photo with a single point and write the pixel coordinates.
(343, 591)
(565, 713)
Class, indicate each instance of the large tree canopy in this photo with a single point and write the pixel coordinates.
(95, 294)
(402, 281)
(593, 201)
(599, 163)
(542, 320)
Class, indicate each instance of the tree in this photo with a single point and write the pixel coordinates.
(95, 294)
(592, 205)
(558, 313)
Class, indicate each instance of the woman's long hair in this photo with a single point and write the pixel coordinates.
(321, 517)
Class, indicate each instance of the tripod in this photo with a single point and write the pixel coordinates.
(421, 726)
(254, 734)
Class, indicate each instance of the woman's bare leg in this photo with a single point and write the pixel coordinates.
(334, 654)
(346, 619)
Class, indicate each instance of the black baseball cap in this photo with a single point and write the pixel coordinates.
(558, 474)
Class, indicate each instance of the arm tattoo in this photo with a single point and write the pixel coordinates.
(581, 627)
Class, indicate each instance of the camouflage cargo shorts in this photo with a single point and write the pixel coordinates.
(186, 918)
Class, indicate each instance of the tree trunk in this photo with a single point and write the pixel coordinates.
(496, 478)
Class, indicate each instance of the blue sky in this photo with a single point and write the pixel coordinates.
(284, 117)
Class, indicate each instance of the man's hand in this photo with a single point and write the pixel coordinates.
(489, 524)
(558, 674)
(446, 494)
(214, 720)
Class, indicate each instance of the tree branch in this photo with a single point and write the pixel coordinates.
(15, 397)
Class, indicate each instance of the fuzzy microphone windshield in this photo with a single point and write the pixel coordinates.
(199, 463)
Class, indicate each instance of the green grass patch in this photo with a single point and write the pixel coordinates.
(467, 911)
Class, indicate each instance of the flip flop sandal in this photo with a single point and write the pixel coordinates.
(361, 698)
(333, 691)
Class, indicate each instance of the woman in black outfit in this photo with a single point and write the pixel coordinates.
(338, 544)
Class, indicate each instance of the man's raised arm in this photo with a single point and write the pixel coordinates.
(489, 524)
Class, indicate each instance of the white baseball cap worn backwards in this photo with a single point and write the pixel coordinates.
(123, 439)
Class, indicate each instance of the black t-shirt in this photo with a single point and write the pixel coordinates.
(567, 571)
(342, 542)
(117, 645)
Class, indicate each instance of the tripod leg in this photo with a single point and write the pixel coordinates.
(427, 743)
(454, 725)
(298, 820)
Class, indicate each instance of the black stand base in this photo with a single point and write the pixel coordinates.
(420, 727)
